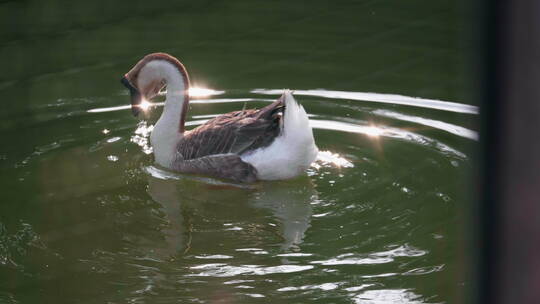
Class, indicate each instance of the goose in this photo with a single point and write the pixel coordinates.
(272, 143)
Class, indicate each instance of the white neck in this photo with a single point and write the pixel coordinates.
(166, 133)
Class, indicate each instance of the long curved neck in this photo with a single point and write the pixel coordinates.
(174, 74)
(176, 104)
(170, 126)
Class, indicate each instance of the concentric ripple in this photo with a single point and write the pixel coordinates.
(374, 220)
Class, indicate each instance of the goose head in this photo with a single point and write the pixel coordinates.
(150, 75)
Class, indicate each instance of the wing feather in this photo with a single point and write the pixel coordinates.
(235, 133)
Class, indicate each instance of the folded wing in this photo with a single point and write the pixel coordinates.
(233, 133)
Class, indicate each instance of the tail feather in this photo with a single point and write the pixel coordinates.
(271, 110)
(294, 117)
(293, 150)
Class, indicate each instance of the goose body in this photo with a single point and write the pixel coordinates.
(272, 143)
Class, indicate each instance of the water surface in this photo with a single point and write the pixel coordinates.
(380, 217)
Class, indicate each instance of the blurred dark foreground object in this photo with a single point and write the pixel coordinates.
(509, 257)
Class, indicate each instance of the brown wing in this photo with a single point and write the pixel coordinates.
(235, 132)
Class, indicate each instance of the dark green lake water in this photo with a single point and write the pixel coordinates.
(381, 217)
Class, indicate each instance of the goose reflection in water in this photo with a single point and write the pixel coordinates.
(189, 201)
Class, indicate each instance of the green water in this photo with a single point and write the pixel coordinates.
(381, 217)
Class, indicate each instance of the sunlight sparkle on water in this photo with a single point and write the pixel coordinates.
(327, 158)
(373, 131)
(141, 136)
(203, 92)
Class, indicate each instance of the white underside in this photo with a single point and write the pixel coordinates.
(291, 153)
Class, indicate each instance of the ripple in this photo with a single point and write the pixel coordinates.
(424, 270)
(385, 132)
(354, 261)
(15, 246)
(237, 282)
(55, 145)
(256, 263)
(383, 98)
(235, 228)
(322, 214)
(381, 257)
(244, 286)
(197, 92)
(380, 275)
(295, 254)
(114, 139)
(401, 251)
(248, 249)
(229, 100)
(214, 257)
(450, 128)
(224, 270)
(357, 288)
(46, 148)
(195, 101)
(324, 157)
(325, 287)
(387, 296)
(252, 250)
(109, 109)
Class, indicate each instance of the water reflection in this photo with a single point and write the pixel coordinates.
(180, 196)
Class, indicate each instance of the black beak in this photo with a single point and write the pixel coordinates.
(136, 97)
